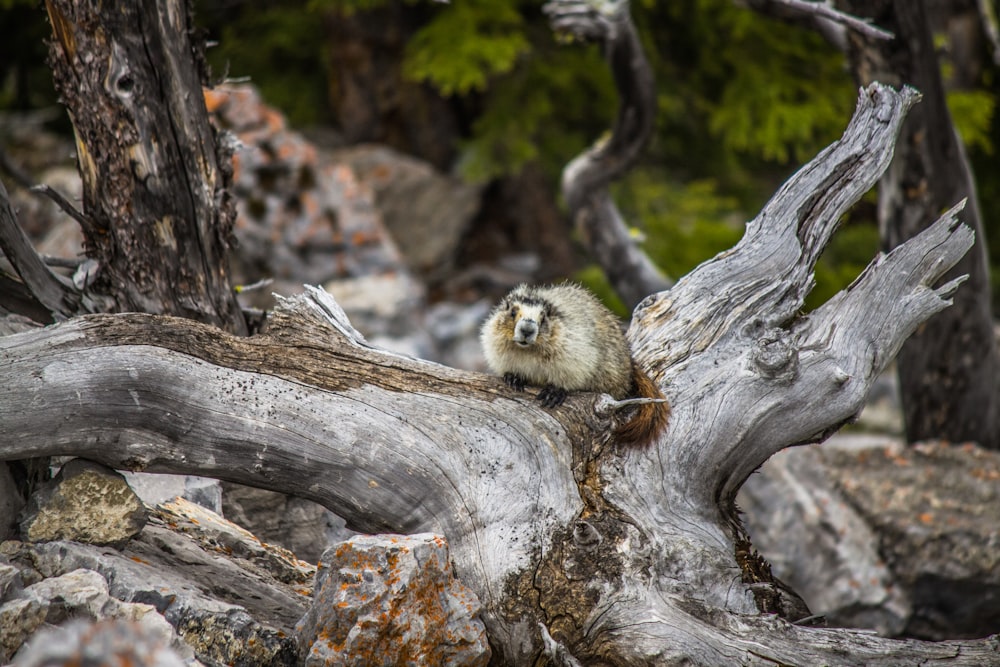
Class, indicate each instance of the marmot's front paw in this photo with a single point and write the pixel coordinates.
(515, 382)
(551, 396)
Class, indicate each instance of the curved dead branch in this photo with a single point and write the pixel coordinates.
(586, 179)
(55, 293)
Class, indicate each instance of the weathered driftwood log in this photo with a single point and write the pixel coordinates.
(622, 556)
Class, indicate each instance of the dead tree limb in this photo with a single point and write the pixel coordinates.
(586, 179)
(627, 557)
(987, 16)
(55, 293)
(820, 16)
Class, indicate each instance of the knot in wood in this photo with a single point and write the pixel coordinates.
(647, 301)
(125, 84)
(585, 535)
(775, 356)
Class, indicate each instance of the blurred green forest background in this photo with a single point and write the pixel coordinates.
(743, 102)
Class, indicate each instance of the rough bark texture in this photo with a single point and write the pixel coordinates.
(950, 369)
(626, 557)
(155, 194)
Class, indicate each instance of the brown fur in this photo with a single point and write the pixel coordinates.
(563, 338)
(650, 419)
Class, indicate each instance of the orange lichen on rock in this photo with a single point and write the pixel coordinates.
(393, 600)
(299, 211)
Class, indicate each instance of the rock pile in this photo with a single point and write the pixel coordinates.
(177, 584)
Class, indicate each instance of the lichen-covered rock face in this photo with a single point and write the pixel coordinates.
(18, 620)
(85, 502)
(391, 599)
(300, 217)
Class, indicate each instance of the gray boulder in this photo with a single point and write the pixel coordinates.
(820, 545)
(80, 594)
(102, 643)
(231, 598)
(302, 526)
(876, 534)
(425, 211)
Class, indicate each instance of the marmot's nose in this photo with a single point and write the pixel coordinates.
(525, 332)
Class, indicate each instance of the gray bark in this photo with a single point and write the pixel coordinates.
(53, 292)
(833, 25)
(625, 556)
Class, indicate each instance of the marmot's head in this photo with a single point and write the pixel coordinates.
(525, 317)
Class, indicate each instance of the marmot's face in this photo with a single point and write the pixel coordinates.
(528, 321)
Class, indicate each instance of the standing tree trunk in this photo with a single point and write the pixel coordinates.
(621, 556)
(157, 213)
(949, 369)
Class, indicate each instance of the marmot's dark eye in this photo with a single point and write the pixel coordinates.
(513, 311)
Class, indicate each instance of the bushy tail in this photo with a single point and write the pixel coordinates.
(648, 420)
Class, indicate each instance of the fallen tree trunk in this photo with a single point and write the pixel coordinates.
(623, 557)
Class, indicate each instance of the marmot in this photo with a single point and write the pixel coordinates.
(563, 339)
